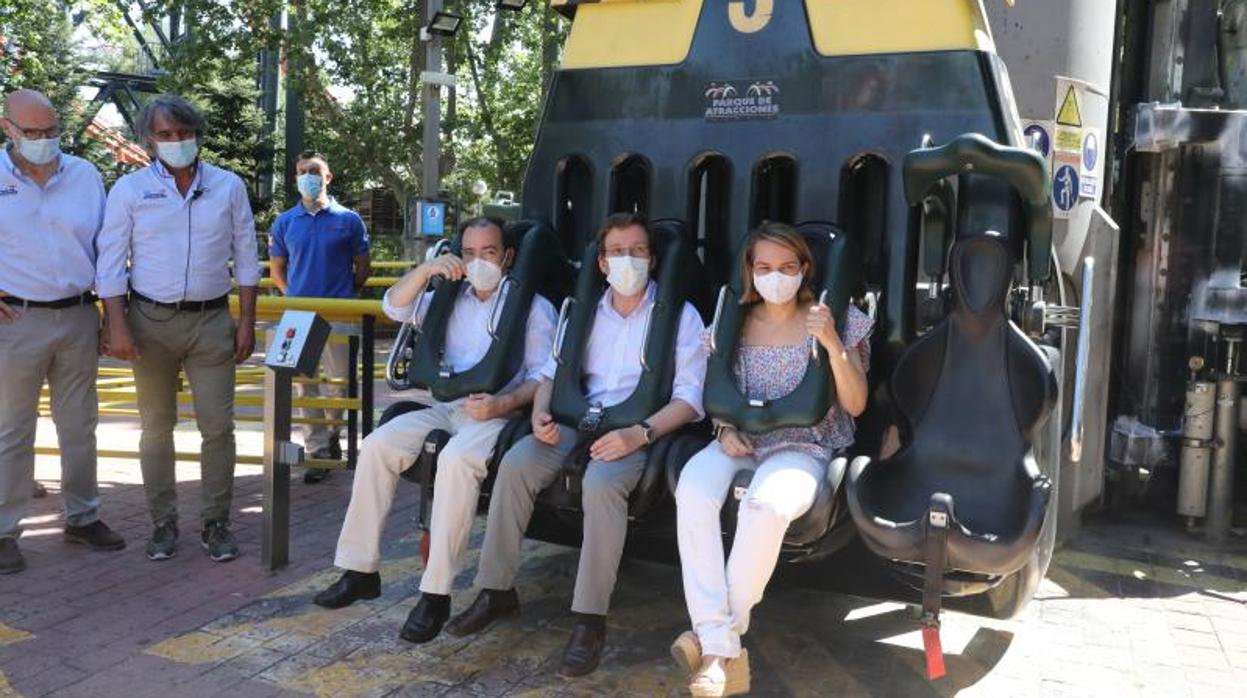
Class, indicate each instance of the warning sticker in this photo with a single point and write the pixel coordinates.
(1038, 136)
(1068, 113)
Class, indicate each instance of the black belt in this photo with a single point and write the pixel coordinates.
(72, 301)
(192, 306)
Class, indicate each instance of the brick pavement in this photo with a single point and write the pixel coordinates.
(1127, 610)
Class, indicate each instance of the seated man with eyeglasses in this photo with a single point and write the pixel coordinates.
(612, 370)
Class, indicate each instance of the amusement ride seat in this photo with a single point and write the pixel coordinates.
(416, 362)
(965, 494)
(837, 276)
(679, 279)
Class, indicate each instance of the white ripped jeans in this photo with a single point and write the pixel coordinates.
(720, 596)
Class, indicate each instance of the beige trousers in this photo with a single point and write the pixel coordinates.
(59, 346)
(393, 448)
(202, 344)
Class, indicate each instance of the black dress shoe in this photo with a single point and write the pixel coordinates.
(426, 620)
(11, 559)
(487, 608)
(350, 587)
(584, 648)
(96, 536)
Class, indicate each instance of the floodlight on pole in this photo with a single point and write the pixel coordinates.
(513, 5)
(443, 24)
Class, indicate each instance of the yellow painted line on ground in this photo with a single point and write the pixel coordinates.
(9, 635)
(1192, 578)
(7, 691)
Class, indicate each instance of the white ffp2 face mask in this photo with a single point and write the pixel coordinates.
(178, 154)
(484, 276)
(777, 287)
(627, 275)
(39, 151)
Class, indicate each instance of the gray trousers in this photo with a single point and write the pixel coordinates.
(527, 469)
(61, 347)
(202, 343)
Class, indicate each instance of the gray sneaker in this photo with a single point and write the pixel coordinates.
(11, 559)
(218, 541)
(164, 542)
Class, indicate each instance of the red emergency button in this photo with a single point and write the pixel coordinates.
(290, 333)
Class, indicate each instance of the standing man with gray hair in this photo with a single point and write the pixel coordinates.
(51, 205)
(179, 222)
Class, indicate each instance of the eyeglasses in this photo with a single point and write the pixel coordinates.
(35, 134)
(641, 251)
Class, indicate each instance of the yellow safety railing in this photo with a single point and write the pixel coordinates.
(117, 395)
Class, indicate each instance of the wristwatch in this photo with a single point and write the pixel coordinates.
(648, 431)
(720, 428)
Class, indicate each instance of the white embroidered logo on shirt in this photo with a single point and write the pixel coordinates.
(150, 194)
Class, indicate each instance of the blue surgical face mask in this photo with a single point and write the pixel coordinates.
(178, 154)
(310, 185)
(39, 151)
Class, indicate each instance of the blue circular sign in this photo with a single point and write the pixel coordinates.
(1065, 187)
(1039, 139)
(1090, 151)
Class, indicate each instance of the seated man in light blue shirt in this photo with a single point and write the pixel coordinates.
(51, 204)
(474, 423)
(179, 223)
(319, 249)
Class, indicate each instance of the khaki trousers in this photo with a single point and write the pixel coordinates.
(61, 347)
(334, 363)
(527, 469)
(202, 344)
(461, 467)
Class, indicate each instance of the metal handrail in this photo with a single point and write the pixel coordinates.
(718, 315)
(1083, 358)
(491, 326)
(561, 329)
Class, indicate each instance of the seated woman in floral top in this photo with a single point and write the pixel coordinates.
(783, 320)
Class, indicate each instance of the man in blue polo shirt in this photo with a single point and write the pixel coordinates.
(319, 249)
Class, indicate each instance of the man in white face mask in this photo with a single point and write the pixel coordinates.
(170, 232)
(51, 205)
(474, 423)
(612, 370)
(319, 249)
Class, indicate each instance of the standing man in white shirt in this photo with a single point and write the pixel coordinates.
(474, 423)
(612, 371)
(179, 223)
(51, 205)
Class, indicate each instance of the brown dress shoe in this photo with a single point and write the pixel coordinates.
(489, 606)
(584, 648)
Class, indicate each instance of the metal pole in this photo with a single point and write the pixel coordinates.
(1221, 486)
(294, 118)
(432, 108)
(352, 391)
(275, 541)
(368, 361)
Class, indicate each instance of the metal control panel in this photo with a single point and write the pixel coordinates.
(297, 342)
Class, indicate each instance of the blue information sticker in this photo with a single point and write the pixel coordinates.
(433, 218)
(1065, 187)
(1039, 139)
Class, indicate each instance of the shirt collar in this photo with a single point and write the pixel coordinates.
(606, 305)
(161, 171)
(467, 291)
(303, 209)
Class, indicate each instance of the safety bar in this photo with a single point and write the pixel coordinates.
(714, 324)
(561, 329)
(400, 352)
(1083, 356)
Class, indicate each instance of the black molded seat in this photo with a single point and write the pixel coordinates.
(837, 276)
(967, 441)
(539, 268)
(680, 278)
